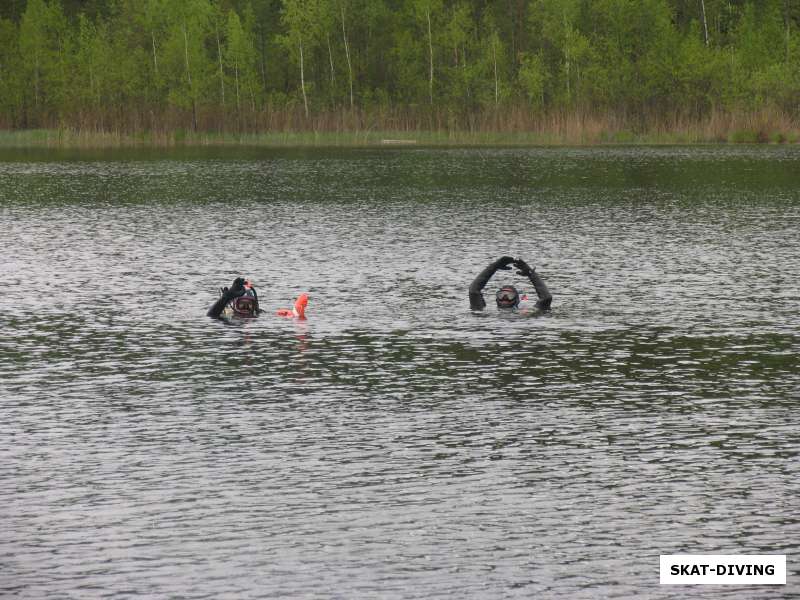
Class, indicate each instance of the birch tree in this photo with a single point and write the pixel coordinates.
(189, 68)
(298, 18)
(343, 19)
(459, 40)
(426, 12)
(241, 58)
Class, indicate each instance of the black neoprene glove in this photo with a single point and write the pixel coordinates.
(524, 268)
(503, 263)
(236, 289)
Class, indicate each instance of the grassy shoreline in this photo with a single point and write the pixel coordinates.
(86, 139)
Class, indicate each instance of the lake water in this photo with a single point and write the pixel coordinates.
(395, 444)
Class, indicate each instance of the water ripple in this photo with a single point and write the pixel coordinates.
(396, 445)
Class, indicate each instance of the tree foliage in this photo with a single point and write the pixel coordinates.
(216, 62)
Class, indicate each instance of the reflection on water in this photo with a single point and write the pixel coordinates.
(396, 444)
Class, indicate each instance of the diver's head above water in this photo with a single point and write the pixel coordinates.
(507, 297)
(242, 298)
(246, 305)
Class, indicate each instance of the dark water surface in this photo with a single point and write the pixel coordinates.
(396, 445)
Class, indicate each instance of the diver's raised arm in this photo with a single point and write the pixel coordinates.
(545, 298)
(228, 294)
(476, 301)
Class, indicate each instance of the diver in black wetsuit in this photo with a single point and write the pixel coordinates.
(239, 300)
(508, 297)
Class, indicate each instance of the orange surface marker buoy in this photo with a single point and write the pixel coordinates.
(299, 310)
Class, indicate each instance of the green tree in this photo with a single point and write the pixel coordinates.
(87, 71)
(188, 68)
(532, 78)
(459, 44)
(241, 58)
(10, 67)
(426, 12)
(564, 52)
(302, 35)
(344, 5)
(42, 41)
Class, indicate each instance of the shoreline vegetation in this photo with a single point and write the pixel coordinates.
(107, 73)
(764, 127)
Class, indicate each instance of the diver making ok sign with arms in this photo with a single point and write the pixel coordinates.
(508, 297)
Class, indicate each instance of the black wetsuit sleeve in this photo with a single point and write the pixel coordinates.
(216, 309)
(476, 301)
(545, 298)
(237, 289)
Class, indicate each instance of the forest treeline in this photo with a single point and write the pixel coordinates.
(261, 65)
